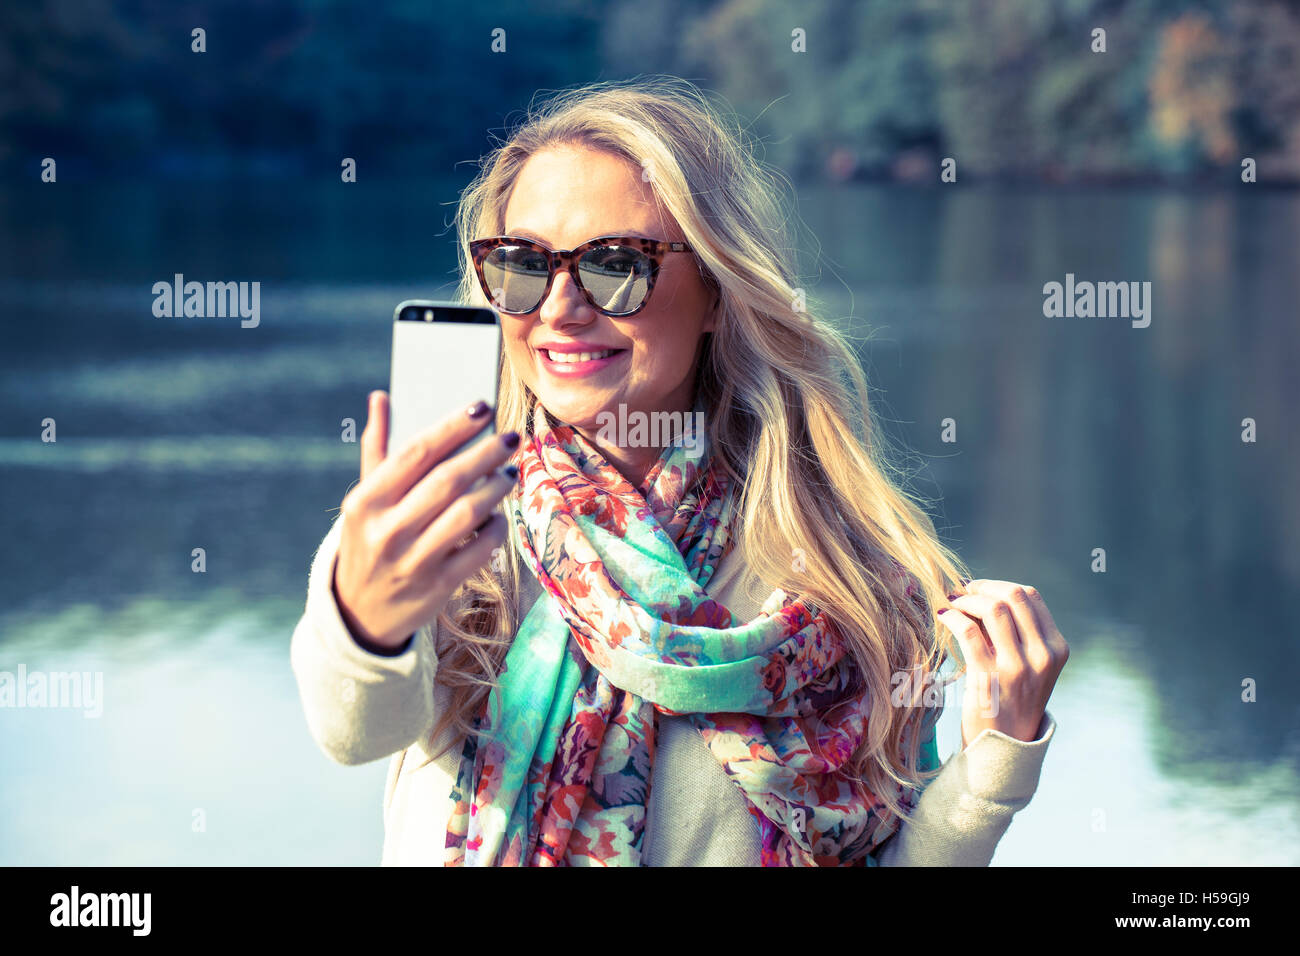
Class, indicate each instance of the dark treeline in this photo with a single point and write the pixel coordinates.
(1010, 88)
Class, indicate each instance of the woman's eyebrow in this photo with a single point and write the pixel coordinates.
(526, 234)
(529, 234)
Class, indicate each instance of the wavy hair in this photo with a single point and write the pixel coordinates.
(785, 401)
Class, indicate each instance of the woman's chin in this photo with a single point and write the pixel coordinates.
(580, 412)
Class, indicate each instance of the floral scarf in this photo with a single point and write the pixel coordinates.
(559, 770)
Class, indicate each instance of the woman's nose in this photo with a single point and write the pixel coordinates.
(565, 304)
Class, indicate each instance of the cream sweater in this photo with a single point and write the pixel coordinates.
(361, 706)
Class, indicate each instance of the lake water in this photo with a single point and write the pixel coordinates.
(1072, 434)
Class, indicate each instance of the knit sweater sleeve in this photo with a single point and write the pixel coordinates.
(360, 706)
(966, 809)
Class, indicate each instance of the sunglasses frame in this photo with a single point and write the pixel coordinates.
(654, 249)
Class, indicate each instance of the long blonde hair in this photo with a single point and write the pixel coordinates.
(785, 402)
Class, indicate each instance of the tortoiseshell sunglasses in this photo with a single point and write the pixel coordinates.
(615, 273)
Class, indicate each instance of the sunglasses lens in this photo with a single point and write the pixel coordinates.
(618, 277)
(517, 277)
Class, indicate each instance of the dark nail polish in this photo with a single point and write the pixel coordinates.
(953, 597)
(511, 472)
(510, 439)
(477, 410)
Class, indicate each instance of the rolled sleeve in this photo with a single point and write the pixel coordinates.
(964, 812)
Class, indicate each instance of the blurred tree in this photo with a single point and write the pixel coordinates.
(1265, 37)
(1009, 87)
(1191, 92)
(864, 86)
(289, 87)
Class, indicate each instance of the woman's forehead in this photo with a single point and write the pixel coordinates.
(564, 197)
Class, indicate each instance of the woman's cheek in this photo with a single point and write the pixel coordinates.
(517, 355)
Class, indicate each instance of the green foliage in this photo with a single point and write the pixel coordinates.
(1011, 88)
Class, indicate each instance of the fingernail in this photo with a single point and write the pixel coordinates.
(510, 439)
(477, 410)
(953, 597)
(511, 472)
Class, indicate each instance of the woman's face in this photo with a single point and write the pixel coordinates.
(563, 197)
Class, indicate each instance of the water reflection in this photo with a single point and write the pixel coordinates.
(201, 755)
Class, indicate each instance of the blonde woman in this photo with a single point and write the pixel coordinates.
(714, 649)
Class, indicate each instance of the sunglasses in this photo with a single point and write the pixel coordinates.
(615, 273)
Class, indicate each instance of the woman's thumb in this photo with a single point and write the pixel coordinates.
(374, 440)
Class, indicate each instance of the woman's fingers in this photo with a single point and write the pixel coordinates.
(399, 472)
(975, 647)
(1052, 635)
(460, 520)
(980, 702)
(1039, 639)
(999, 622)
(442, 486)
(477, 552)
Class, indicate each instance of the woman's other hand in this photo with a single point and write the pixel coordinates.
(1013, 652)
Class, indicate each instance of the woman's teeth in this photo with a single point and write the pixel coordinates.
(568, 357)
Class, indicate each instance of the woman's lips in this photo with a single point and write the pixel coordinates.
(578, 364)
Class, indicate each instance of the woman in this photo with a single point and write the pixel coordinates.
(714, 650)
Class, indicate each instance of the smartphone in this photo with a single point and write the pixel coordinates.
(445, 357)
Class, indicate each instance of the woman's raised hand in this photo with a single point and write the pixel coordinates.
(403, 548)
(1013, 652)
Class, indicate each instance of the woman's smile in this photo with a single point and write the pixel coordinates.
(578, 359)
